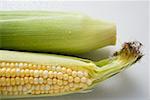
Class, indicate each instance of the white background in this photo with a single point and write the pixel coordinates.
(131, 18)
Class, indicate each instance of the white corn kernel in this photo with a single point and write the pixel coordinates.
(74, 73)
(59, 75)
(80, 74)
(18, 72)
(83, 80)
(36, 80)
(41, 80)
(55, 74)
(65, 76)
(27, 72)
(47, 87)
(45, 74)
(20, 65)
(69, 71)
(22, 73)
(36, 73)
(76, 79)
(58, 68)
(31, 72)
(40, 73)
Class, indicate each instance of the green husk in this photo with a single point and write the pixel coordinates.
(55, 32)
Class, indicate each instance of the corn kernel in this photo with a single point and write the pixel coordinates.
(54, 80)
(36, 80)
(17, 80)
(74, 73)
(13, 72)
(49, 81)
(18, 72)
(50, 74)
(59, 75)
(63, 70)
(70, 79)
(31, 80)
(69, 71)
(12, 81)
(83, 80)
(31, 72)
(26, 79)
(7, 81)
(45, 74)
(21, 81)
(58, 68)
(27, 72)
(36, 73)
(59, 82)
(41, 80)
(76, 79)
(65, 76)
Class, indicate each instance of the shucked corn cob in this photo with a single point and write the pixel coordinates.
(29, 74)
(57, 32)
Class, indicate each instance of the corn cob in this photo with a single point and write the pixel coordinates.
(29, 74)
(56, 32)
